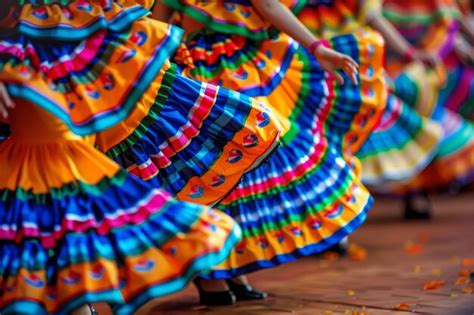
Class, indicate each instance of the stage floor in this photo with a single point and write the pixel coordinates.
(402, 257)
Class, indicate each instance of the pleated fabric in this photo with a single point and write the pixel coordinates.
(193, 139)
(434, 26)
(307, 196)
(98, 63)
(404, 142)
(75, 228)
(453, 163)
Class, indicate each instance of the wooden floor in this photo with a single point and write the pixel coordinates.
(401, 259)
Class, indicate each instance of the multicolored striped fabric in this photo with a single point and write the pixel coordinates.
(454, 161)
(434, 26)
(401, 147)
(404, 143)
(238, 17)
(193, 139)
(76, 229)
(328, 18)
(453, 164)
(458, 94)
(97, 59)
(306, 196)
(430, 25)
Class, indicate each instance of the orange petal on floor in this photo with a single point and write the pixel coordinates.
(433, 285)
(357, 253)
(462, 281)
(402, 307)
(412, 248)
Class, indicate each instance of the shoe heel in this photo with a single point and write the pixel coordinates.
(211, 298)
(245, 292)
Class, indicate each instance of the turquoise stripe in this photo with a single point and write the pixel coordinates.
(199, 265)
(63, 32)
(107, 119)
(113, 296)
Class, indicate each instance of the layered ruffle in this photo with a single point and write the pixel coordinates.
(191, 138)
(76, 229)
(403, 144)
(303, 200)
(434, 26)
(91, 78)
(453, 165)
(306, 196)
(285, 76)
(231, 17)
(72, 20)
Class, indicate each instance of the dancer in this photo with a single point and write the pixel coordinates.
(448, 37)
(403, 143)
(440, 28)
(407, 140)
(75, 228)
(307, 196)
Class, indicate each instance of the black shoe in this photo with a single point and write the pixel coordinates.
(245, 292)
(415, 211)
(217, 298)
(340, 248)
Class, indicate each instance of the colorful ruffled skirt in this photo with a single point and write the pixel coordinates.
(404, 143)
(190, 138)
(76, 229)
(307, 196)
(401, 147)
(453, 163)
(452, 166)
(434, 26)
(193, 139)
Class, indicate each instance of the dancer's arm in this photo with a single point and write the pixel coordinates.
(467, 29)
(6, 102)
(161, 12)
(284, 20)
(397, 42)
(466, 8)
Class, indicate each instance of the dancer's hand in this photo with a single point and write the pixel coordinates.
(331, 61)
(284, 20)
(6, 102)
